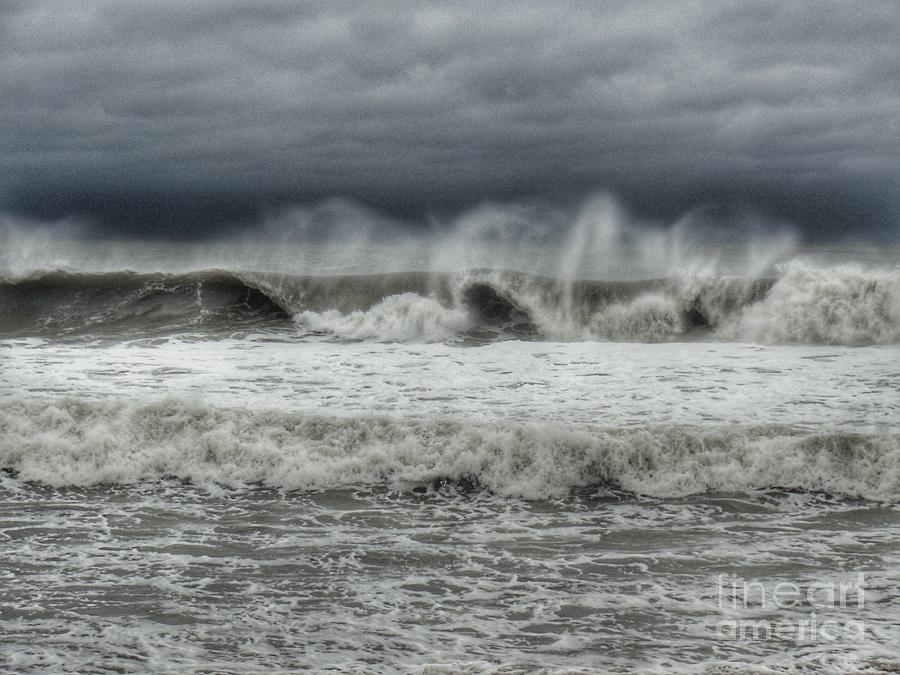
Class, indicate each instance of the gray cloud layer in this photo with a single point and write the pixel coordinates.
(166, 116)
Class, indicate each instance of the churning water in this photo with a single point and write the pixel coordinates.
(485, 452)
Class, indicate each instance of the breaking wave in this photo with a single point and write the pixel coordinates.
(840, 305)
(77, 442)
(397, 318)
(125, 303)
(804, 304)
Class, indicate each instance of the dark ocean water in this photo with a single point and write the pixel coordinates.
(211, 468)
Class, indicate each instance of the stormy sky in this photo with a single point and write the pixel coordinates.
(171, 118)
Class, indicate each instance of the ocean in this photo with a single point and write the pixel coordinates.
(474, 457)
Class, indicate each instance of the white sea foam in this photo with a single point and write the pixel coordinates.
(806, 304)
(403, 317)
(650, 317)
(82, 442)
(814, 305)
(142, 573)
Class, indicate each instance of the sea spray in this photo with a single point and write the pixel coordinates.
(498, 271)
(846, 304)
(806, 304)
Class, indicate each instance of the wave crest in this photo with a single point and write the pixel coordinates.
(83, 442)
(397, 318)
(805, 304)
(814, 305)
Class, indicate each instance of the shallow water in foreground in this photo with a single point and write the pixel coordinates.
(168, 577)
(256, 504)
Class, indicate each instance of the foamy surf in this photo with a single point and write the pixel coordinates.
(84, 442)
(318, 459)
(813, 305)
(396, 318)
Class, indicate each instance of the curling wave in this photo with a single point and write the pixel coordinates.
(805, 304)
(114, 304)
(813, 305)
(82, 442)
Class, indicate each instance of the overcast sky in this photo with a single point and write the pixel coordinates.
(192, 118)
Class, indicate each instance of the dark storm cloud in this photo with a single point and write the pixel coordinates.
(171, 117)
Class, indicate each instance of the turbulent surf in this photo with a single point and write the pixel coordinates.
(83, 443)
(466, 456)
(804, 304)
